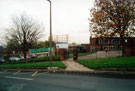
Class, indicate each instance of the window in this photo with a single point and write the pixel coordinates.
(101, 41)
(115, 41)
(106, 41)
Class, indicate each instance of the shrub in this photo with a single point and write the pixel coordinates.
(6, 57)
(39, 59)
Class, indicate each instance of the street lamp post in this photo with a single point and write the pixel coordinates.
(50, 31)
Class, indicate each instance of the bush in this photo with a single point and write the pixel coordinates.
(39, 59)
(6, 57)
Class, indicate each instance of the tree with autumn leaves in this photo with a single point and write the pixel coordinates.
(113, 18)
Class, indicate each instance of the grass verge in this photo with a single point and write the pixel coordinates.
(35, 65)
(120, 62)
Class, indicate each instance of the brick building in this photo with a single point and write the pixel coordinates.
(97, 44)
(83, 48)
(130, 47)
(112, 44)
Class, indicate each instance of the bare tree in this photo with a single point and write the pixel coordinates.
(24, 31)
(113, 18)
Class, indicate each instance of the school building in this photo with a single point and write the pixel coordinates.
(112, 44)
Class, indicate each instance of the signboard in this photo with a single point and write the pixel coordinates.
(62, 45)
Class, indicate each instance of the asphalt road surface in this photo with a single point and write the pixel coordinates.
(35, 81)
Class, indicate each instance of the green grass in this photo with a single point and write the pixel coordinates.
(80, 54)
(35, 65)
(120, 62)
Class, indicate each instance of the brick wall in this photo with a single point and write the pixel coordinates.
(113, 44)
(130, 47)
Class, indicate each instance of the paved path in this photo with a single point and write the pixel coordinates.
(102, 54)
(74, 66)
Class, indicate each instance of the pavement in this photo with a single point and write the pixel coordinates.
(44, 81)
(74, 66)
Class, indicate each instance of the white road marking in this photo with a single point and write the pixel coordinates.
(42, 73)
(18, 78)
(17, 72)
(34, 74)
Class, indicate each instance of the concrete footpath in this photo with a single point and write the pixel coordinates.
(74, 66)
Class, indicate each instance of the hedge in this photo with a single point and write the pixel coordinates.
(38, 59)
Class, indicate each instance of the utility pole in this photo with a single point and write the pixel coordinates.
(50, 31)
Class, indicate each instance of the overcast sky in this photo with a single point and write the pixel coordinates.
(69, 16)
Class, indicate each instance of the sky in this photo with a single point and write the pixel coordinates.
(68, 17)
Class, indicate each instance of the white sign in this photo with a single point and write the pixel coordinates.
(62, 45)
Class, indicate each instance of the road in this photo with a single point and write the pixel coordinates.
(35, 81)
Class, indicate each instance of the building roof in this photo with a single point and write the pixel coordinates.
(39, 50)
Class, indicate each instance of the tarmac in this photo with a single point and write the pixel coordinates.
(47, 81)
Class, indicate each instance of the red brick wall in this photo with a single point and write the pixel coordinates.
(87, 47)
(62, 53)
(129, 45)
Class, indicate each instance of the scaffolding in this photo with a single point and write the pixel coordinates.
(61, 38)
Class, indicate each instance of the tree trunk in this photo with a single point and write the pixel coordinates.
(25, 54)
(25, 47)
(123, 45)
